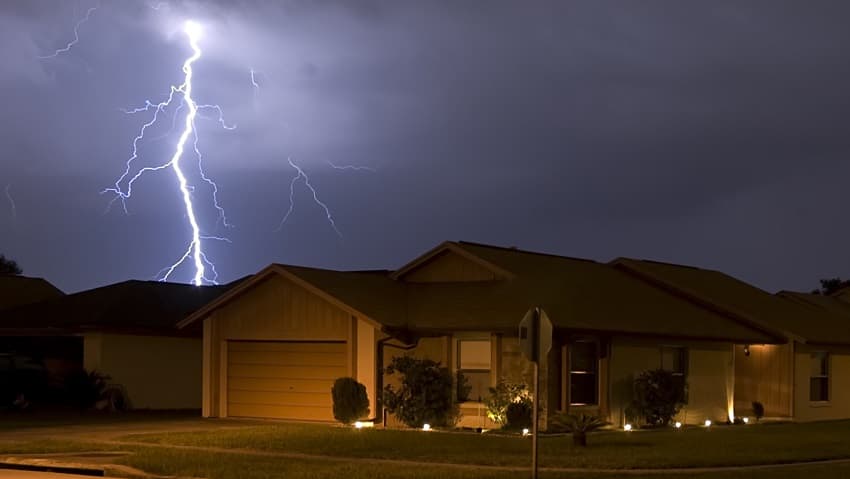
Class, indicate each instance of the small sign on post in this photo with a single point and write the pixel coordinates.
(535, 342)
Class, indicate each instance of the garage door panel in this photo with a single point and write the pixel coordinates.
(279, 358)
(271, 398)
(280, 412)
(288, 346)
(278, 384)
(306, 371)
(283, 379)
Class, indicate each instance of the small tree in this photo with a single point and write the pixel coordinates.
(350, 400)
(8, 266)
(425, 393)
(658, 397)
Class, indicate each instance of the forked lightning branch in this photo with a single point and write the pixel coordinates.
(204, 269)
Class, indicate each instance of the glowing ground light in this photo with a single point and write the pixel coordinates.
(627, 427)
(707, 423)
(426, 427)
(678, 425)
(194, 252)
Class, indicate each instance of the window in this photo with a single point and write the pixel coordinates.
(584, 360)
(675, 360)
(473, 361)
(819, 380)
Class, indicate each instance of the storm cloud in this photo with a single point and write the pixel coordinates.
(710, 133)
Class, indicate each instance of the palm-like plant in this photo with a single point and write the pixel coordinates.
(578, 425)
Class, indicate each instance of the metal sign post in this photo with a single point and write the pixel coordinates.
(535, 340)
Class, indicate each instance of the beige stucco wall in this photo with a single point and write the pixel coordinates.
(764, 375)
(157, 372)
(838, 406)
(278, 309)
(710, 377)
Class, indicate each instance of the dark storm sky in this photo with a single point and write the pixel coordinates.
(712, 133)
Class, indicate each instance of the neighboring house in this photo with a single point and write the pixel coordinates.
(274, 344)
(805, 378)
(125, 330)
(16, 290)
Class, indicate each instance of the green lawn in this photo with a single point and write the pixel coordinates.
(695, 447)
(164, 461)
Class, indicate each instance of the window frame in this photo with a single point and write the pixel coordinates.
(825, 365)
(684, 360)
(571, 372)
(458, 361)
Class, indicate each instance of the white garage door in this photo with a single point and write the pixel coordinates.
(283, 379)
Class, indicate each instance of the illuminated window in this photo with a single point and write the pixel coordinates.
(473, 362)
(675, 360)
(819, 377)
(584, 361)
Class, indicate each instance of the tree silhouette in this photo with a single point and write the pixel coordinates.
(8, 266)
(831, 285)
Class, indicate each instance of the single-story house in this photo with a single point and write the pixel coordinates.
(804, 378)
(125, 330)
(17, 290)
(274, 344)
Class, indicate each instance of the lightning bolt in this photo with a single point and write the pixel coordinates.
(306, 180)
(352, 167)
(194, 252)
(76, 39)
(12, 207)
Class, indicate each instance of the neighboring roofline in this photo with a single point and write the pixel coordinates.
(263, 274)
(621, 263)
(455, 248)
(514, 249)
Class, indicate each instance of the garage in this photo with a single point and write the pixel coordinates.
(283, 379)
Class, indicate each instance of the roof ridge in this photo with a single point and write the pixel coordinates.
(514, 249)
(666, 263)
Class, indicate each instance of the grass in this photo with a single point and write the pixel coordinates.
(695, 447)
(163, 460)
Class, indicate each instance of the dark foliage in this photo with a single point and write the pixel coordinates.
(576, 424)
(425, 393)
(758, 410)
(350, 400)
(83, 389)
(518, 415)
(8, 266)
(831, 285)
(502, 397)
(658, 396)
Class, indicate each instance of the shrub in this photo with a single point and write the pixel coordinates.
(84, 389)
(576, 424)
(425, 394)
(519, 415)
(658, 397)
(758, 410)
(463, 387)
(511, 396)
(350, 400)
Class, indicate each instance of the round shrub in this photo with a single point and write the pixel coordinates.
(350, 400)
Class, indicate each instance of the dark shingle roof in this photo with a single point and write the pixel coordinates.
(19, 290)
(793, 319)
(134, 307)
(578, 294)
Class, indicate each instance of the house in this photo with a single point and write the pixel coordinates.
(16, 290)
(273, 345)
(804, 378)
(125, 330)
